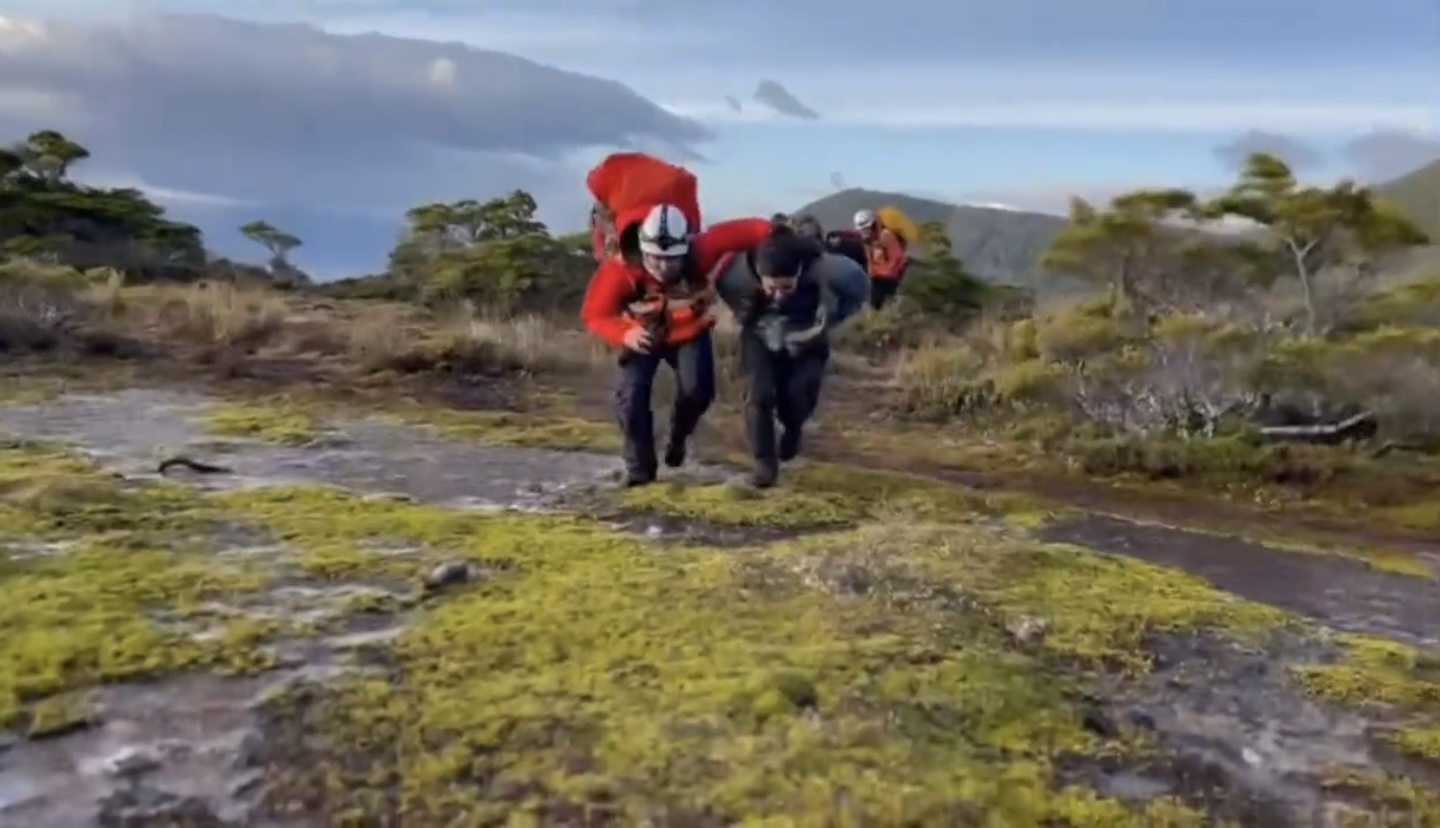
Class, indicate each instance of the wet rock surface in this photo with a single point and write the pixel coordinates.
(1240, 737)
(1342, 593)
(133, 430)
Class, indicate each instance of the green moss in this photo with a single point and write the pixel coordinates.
(1400, 802)
(338, 536)
(597, 674)
(824, 494)
(45, 491)
(281, 421)
(60, 714)
(1376, 672)
(1424, 515)
(522, 429)
(1420, 742)
(87, 564)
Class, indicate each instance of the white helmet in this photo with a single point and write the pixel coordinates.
(864, 219)
(665, 232)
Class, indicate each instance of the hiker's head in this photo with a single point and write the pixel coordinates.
(779, 261)
(867, 223)
(809, 227)
(664, 239)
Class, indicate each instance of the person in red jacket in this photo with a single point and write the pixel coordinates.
(653, 301)
(887, 257)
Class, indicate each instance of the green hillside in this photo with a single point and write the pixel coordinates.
(1004, 245)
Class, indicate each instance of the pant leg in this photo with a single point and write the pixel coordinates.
(799, 388)
(694, 364)
(633, 389)
(760, 366)
(881, 292)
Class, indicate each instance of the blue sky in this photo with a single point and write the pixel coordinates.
(1019, 102)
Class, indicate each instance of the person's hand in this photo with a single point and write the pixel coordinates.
(638, 340)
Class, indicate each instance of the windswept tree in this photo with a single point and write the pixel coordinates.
(277, 241)
(1342, 231)
(52, 154)
(1151, 248)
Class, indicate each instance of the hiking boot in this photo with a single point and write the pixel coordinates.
(765, 474)
(789, 447)
(675, 453)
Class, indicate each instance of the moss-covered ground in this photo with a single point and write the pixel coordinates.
(922, 661)
(87, 563)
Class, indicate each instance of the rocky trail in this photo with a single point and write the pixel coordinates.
(1236, 680)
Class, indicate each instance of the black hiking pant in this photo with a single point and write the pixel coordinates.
(694, 367)
(781, 387)
(882, 291)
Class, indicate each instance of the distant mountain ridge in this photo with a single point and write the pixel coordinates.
(1006, 244)
(994, 241)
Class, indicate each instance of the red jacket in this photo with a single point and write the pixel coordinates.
(888, 257)
(618, 283)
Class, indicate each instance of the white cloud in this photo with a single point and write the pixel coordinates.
(442, 72)
(1177, 115)
(167, 196)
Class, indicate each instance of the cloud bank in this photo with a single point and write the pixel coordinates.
(216, 112)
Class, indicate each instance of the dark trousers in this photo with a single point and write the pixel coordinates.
(694, 366)
(882, 291)
(780, 387)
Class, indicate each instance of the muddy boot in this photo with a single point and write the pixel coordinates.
(765, 474)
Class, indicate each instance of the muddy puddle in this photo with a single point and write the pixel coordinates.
(1239, 733)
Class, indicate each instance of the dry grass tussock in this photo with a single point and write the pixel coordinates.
(1186, 373)
(44, 309)
(1087, 370)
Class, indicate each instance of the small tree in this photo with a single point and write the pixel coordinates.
(278, 242)
(52, 154)
(495, 253)
(938, 282)
(1340, 230)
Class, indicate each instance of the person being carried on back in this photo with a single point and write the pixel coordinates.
(653, 300)
(789, 296)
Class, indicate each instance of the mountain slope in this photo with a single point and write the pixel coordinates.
(1005, 245)
(1418, 195)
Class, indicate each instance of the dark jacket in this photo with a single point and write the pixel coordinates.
(831, 282)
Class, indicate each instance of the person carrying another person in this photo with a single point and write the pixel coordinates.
(887, 236)
(653, 300)
(788, 295)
